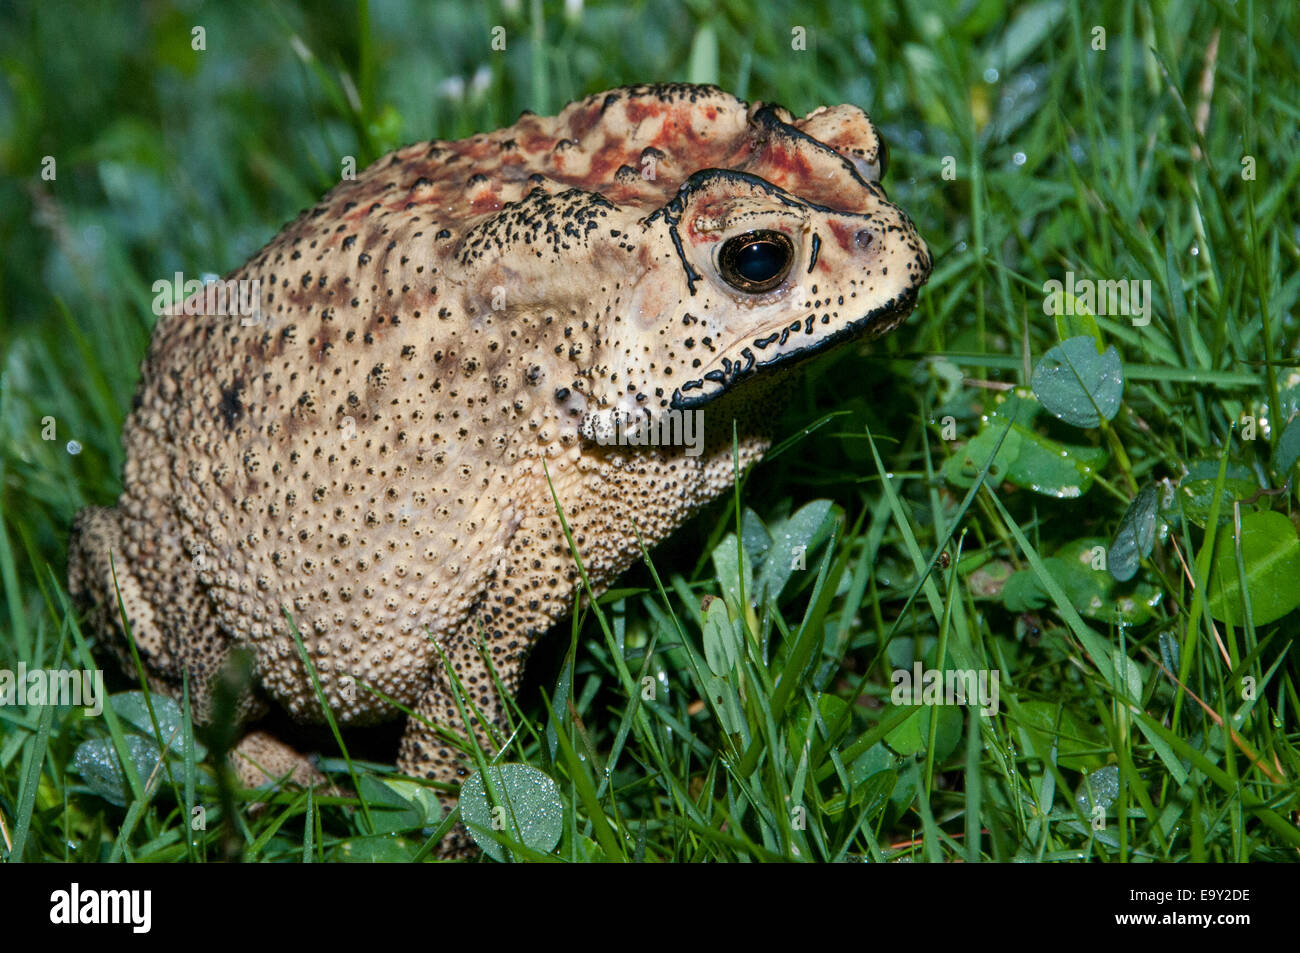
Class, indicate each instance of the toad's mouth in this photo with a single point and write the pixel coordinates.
(785, 345)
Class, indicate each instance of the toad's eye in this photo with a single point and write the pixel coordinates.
(756, 261)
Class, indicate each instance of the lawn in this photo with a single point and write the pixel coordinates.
(1070, 474)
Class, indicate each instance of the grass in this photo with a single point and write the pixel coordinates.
(948, 518)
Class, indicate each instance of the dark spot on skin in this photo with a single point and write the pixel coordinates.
(231, 406)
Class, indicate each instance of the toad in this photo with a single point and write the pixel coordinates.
(441, 341)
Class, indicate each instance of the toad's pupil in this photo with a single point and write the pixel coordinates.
(760, 261)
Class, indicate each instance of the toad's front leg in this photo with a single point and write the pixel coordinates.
(436, 744)
(530, 588)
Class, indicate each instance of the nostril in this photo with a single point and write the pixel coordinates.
(862, 238)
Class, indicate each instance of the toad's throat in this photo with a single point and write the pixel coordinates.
(785, 345)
